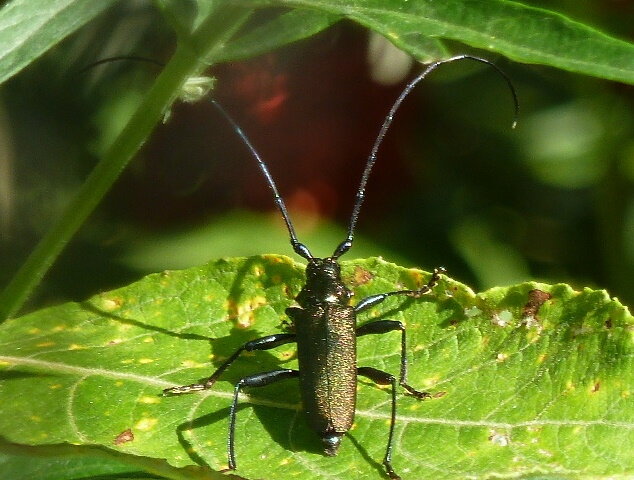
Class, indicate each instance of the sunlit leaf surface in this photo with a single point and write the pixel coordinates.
(529, 379)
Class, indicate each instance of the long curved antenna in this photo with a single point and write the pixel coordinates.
(300, 248)
(347, 243)
(119, 58)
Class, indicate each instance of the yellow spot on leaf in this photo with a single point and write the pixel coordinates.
(245, 311)
(110, 304)
(118, 383)
(45, 344)
(34, 331)
(286, 461)
(127, 361)
(148, 340)
(55, 386)
(193, 364)
(148, 399)
(59, 328)
(75, 346)
(145, 360)
(35, 418)
(541, 358)
(502, 357)
(146, 424)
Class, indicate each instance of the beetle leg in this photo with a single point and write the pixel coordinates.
(257, 380)
(384, 326)
(384, 378)
(264, 343)
(372, 300)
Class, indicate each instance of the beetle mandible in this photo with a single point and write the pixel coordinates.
(325, 326)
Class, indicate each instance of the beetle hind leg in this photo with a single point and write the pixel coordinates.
(256, 380)
(383, 378)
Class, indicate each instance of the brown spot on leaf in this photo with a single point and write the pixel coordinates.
(124, 437)
(536, 298)
(439, 394)
(596, 387)
(608, 323)
(361, 276)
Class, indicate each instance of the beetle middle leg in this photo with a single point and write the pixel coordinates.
(263, 343)
(256, 380)
(384, 326)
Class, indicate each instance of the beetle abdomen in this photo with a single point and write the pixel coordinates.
(326, 350)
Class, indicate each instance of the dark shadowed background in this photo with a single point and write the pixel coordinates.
(454, 185)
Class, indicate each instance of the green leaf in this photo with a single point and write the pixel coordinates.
(531, 379)
(28, 28)
(28, 462)
(520, 32)
(185, 16)
(286, 28)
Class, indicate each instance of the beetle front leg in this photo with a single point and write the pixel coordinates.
(372, 300)
(384, 326)
(264, 343)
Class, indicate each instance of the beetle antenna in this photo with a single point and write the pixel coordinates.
(134, 58)
(360, 197)
(301, 249)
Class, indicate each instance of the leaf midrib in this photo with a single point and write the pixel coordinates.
(372, 414)
(368, 12)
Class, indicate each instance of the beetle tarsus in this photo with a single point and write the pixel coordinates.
(194, 387)
(415, 393)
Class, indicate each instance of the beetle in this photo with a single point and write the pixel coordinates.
(325, 323)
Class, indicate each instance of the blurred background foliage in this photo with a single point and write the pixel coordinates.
(551, 200)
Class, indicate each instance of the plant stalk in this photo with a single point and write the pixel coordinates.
(188, 60)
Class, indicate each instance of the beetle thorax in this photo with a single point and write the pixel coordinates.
(323, 284)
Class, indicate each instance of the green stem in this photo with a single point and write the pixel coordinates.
(186, 62)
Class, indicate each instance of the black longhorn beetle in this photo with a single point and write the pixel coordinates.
(325, 324)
